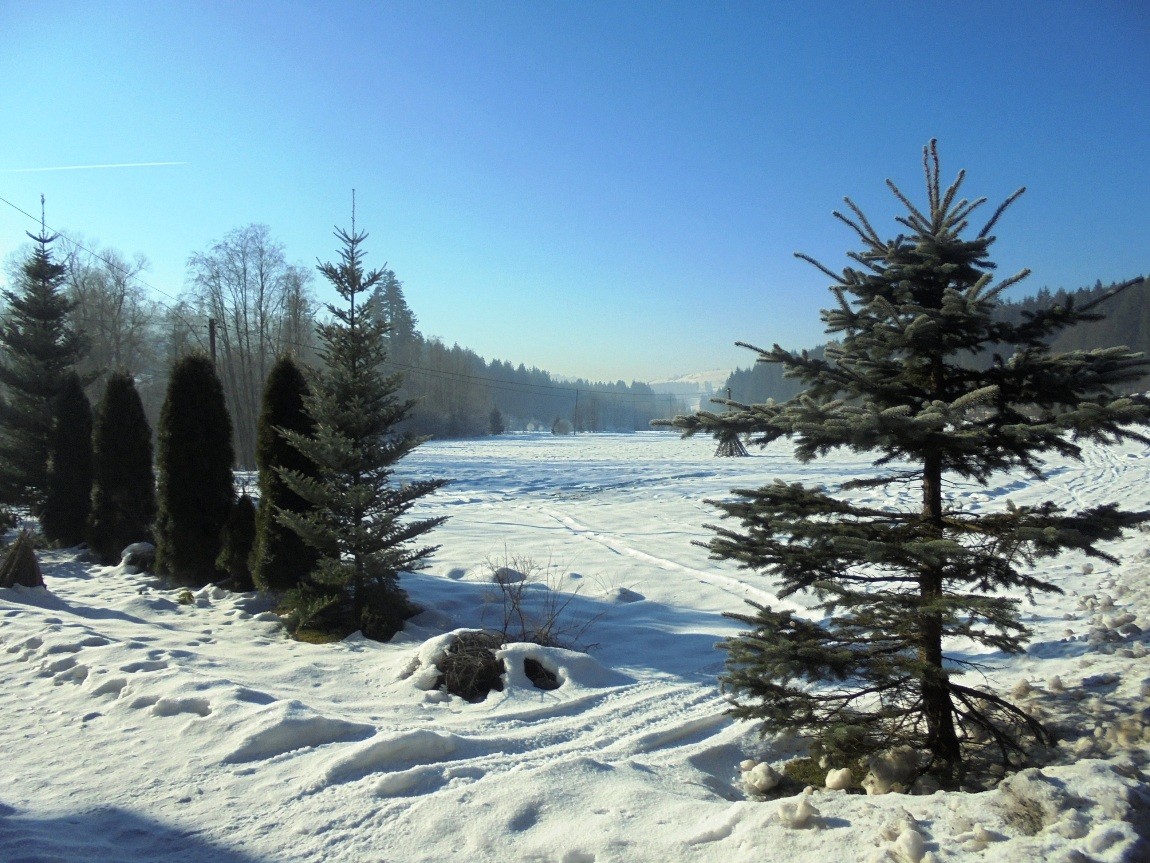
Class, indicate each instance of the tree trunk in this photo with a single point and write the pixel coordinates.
(941, 740)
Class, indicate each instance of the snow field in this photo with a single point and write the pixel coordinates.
(140, 728)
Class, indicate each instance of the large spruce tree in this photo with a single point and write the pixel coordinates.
(69, 498)
(923, 376)
(38, 347)
(194, 462)
(357, 516)
(124, 484)
(280, 559)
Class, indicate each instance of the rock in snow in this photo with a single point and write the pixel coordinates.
(837, 780)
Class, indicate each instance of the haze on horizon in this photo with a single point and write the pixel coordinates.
(607, 191)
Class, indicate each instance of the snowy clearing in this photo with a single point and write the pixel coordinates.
(139, 728)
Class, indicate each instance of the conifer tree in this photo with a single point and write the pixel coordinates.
(357, 516)
(69, 498)
(124, 481)
(495, 423)
(194, 463)
(38, 348)
(910, 315)
(280, 559)
(238, 537)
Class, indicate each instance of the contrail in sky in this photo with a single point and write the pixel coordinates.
(88, 167)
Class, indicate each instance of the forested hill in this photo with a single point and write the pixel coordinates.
(460, 394)
(1127, 322)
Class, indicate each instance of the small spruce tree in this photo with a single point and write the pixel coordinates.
(194, 463)
(925, 376)
(124, 481)
(280, 559)
(238, 537)
(357, 516)
(69, 498)
(495, 423)
(38, 347)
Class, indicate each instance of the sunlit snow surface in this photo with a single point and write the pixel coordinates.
(140, 729)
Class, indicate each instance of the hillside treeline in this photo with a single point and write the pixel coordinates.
(459, 393)
(1127, 323)
(245, 303)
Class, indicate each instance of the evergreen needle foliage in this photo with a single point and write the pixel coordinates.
(357, 516)
(280, 559)
(39, 349)
(124, 484)
(69, 500)
(238, 537)
(910, 316)
(196, 489)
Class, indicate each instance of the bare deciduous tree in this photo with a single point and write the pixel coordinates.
(113, 310)
(261, 307)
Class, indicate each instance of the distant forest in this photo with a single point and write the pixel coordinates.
(459, 394)
(1127, 323)
(246, 305)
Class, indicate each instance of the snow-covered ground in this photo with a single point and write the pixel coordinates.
(137, 728)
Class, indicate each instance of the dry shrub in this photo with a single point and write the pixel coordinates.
(470, 668)
(532, 606)
(20, 566)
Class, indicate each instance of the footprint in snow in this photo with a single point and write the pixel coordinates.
(49, 669)
(175, 706)
(144, 665)
(76, 674)
(112, 686)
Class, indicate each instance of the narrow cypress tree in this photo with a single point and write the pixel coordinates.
(356, 521)
(39, 348)
(69, 498)
(194, 463)
(280, 559)
(923, 375)
(124, 484)
(238, 537)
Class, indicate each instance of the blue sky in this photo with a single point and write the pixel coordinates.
(606, 190)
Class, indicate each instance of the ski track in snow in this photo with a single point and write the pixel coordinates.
(140, 728)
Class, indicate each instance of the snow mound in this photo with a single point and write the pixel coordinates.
(622, 596)
(571, 668)
(386, 752)
(289, 725)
